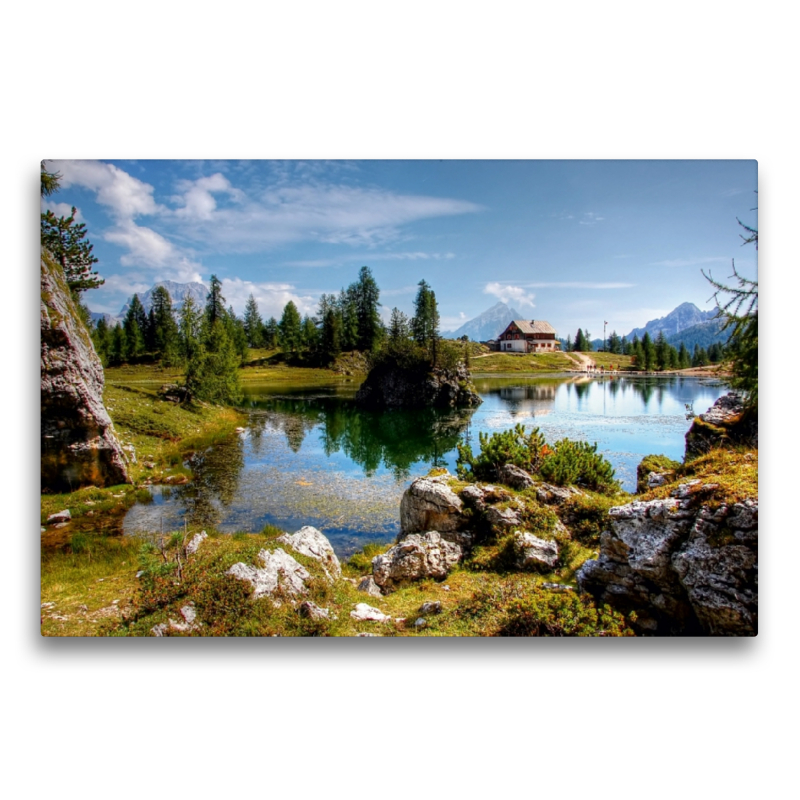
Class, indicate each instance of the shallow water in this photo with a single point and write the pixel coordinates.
(309, 457)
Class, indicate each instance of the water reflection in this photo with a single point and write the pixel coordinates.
(395, 440)
(310, 457)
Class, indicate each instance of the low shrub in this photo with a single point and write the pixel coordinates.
(579, 464)
(515, 446)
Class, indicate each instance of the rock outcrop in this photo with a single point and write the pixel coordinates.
(415, 557)
(682, 566)
(311, 542)
(280, 575)
(533, 553)
(429, 504)
(79, 445)
(390, 386)
(726, 423)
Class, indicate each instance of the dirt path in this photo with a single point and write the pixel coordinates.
(583, 361)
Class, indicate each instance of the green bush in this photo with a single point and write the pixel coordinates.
(578, 464)
(515, 446)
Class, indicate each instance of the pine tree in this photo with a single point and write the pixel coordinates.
(365, 294)
(215, 302)
(625, 346)
(135, 325)
(425, 323)
(330, 344)
(236, 332)
(684, 359)
(212, 373)
(101, 338)
(163, 328)
(253, 326)
(580, 341)
(290, 328)
(661, 356)
(66, 240)
(51, 181)
(738, 307)
(118, 348)
(349, 315)
(648, 352)
(271, 333)
(189, 324)
(309, 335)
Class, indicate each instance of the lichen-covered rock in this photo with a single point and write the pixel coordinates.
(726, 423)
(311, 542)
(368, 586)
(311, 610)
(363, 612)
(555, 495)
(429, 504)
(415, 557)
(195, 542)
(681, 566)
(392, 386)
(281, 574)
(502, 519)
(514, 476)
(533, 553)
(79, 445)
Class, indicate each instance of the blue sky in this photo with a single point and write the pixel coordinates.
(572, 242)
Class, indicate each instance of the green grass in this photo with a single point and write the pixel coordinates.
(502, 363)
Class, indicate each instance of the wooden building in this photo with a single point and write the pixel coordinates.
(528, 336)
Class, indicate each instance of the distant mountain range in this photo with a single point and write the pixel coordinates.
(686, 324)
(177, 292)
(488, 325)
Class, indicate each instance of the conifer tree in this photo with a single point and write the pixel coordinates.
(425, 323)
(365, 295)
(330, 344)
(271, 333)
(290, 328)
(684, 359)
(163, 328)
(215, 302)
(253, 326)
(189, 324)
(66, 240)
(135, 325)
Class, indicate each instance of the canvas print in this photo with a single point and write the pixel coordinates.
(394, 398)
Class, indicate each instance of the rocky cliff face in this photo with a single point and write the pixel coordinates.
(79, 446)
(390, 386)
(683, 567)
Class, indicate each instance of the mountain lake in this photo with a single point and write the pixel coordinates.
(308, 456)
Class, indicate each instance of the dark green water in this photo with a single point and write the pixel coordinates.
(309, 457)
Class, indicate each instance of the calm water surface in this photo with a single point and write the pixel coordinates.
(309, 457)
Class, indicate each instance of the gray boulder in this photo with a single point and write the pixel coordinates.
(415, 557)
(514, 476)
(280, 575)
(534, 553)
(367, 585)
(429, 504)
(311, 610)
(310, 542)
(363, 612)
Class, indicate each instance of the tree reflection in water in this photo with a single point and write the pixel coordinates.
(395, 440)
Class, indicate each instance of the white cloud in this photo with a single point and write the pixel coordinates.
(510, 294)
(672, 263)
(578, 285)
(126, 196)
(326, 213)
(198, 200)
(271, 297)
(60, 209)
(590, 218)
